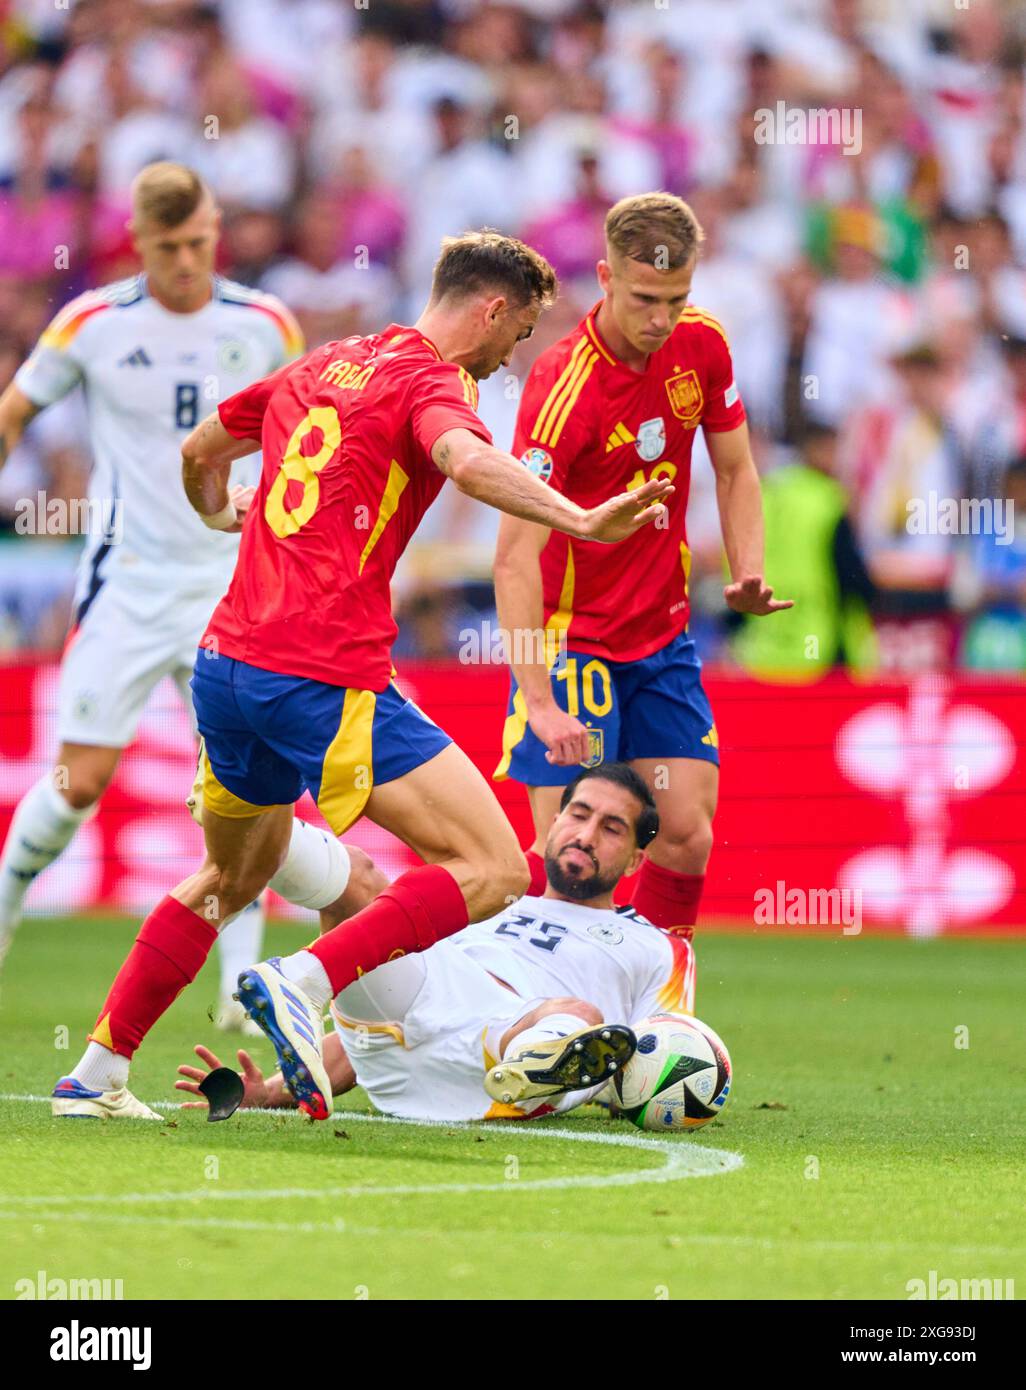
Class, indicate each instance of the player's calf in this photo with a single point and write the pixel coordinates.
(176, 938)
(490, 885)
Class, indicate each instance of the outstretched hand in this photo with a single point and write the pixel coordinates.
(751, 595)
(620, 516)
(256, 1093)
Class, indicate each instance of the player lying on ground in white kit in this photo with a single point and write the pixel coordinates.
(484, 1025)
(154, 354)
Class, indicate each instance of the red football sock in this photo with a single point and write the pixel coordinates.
(668, 899)
(421, 907)
(539, 878)
(168, 954)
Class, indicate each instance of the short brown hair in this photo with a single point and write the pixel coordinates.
(486, 260)
(656, 228)
(166, 193)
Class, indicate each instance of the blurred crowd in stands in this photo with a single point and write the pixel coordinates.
(875, 298)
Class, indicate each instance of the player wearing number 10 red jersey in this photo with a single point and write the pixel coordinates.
(616, 404)
(292, 683)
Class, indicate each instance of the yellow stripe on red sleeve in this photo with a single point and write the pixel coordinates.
(470, 392)
(693, 315)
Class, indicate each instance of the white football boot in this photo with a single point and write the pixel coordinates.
(73, 1101)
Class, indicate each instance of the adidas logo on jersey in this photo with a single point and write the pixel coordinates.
(621, 435)
(139, 358)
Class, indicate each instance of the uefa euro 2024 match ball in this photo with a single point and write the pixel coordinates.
(679, 1078)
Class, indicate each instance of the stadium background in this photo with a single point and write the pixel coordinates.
(875, 303)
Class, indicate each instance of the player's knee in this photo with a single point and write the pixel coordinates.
(84, 786)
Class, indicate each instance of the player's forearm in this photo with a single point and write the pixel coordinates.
(495, 477)
(739, 498)
(520, 606)
(16, 410)
(207, 457)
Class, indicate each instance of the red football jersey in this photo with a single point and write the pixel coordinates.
(346, 433)
(593, 427)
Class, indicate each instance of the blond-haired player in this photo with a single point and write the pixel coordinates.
(615, 404)
(154, 354)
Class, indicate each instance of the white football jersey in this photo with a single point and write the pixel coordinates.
(149, 376)
(616, 960)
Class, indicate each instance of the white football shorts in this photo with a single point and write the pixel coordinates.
(428, 1061)
(130, 637)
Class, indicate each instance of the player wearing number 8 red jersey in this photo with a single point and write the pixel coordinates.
(616, 404)
(292, 683)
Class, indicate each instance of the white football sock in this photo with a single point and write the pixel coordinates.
(316, 869)
(100, 1069)
(544, 1031)
(554, 1026)
(306, 971)
(42, 826)
(238, 944)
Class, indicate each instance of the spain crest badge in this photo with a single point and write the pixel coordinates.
(596, 748)
(686, 399)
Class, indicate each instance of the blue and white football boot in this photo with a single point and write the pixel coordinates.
(296, 1028)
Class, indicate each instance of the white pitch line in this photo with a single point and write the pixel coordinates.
(680, 1160)
(340, 1227)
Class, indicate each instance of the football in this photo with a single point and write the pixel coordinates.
(679, 1078)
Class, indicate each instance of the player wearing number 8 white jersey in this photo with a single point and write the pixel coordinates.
(449, 1033)
(154, 354)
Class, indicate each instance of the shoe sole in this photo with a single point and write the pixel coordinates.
(96, 1112)
(590, 1057)
(255, 998)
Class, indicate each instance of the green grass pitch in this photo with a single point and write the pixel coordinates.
(874, 1150)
